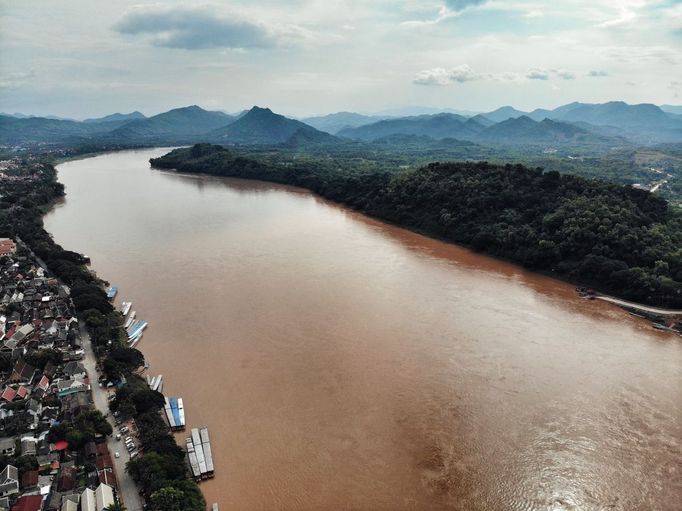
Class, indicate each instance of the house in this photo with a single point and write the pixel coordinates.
(34, 410)
(29, 446)
(29, 481)
(88, 501)
(104, 497)
(66, 479)
(23, 333)
(28, 503)
(8, 394)
(7, 247)
(8, 446)
(75, 370)
(9, 481)
(22, 373)
(72, 386)
(41, 387)
(69, 505)
(90, 450)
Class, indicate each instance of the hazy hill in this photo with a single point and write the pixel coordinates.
(40, 130)
(526, 131)
(672, 109)
(504, 113)
(616, 113)
(435, 126)
(178, 123)
(263, 126)
(117, 117)
(333, 123)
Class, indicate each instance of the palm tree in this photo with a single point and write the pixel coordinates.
(115, 507)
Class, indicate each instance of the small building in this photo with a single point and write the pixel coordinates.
(22, 373)
(29, 481)
(9, 481)
(8, 394)
(23, 333)
(88, 501)
(8, 446)
(71, 386)
(29, 446)
(104, 497)
(7, 247)
(75, 370)
(66, 479)
(28, 503)
(69, 505)
(90, 450)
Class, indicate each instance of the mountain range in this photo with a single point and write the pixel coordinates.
(608, 124)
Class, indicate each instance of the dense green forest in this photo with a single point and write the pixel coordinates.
(616, 238)
(161, 472)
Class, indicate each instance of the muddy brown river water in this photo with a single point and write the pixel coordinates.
(345, 364)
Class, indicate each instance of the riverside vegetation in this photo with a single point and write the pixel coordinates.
(616, 238)
(26, 192)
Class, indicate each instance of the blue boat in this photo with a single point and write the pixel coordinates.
(111, 292)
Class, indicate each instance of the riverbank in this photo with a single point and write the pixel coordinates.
(118, 362)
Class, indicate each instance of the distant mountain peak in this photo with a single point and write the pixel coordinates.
(259, 109)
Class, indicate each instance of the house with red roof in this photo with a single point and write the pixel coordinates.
(28, 503)
(8, 394)
(22, 392)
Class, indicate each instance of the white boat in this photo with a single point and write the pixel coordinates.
(181, 412)
(131, 318)
(125, 308)
(135, 339)
(137, 328)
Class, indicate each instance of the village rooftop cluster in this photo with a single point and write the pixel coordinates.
(45, 386)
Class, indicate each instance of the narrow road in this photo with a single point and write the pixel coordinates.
(639, 306)
(128, 492)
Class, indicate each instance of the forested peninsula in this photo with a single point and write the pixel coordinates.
(618, 239)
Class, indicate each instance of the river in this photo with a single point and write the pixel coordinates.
(345, 364)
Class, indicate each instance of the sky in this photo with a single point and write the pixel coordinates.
(86, 58)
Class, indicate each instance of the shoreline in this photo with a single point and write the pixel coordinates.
(87, 292)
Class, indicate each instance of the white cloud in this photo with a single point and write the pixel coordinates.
(441, 76)
(16, 80)
(597, 74)
(193, 28)
(537, 74)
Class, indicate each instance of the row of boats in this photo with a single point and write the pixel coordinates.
(134, 327)
(175, 413)
(199, 454)
(155, 382)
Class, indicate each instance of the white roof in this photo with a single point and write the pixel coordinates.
(88, 502)
(104, 496)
